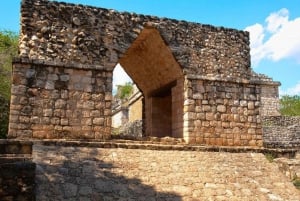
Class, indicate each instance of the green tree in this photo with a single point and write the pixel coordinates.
(290, 105)
(8, 49)
(4, 114)
(124, 91)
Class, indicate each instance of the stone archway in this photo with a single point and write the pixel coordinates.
(196, 78)
(152, 66)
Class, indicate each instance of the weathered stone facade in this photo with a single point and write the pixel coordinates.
(269, 95)
(196, 79)
(141, 172)
(138, 170)
(60, 102)
(281, 131)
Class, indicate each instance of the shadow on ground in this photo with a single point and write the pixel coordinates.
(68, 173)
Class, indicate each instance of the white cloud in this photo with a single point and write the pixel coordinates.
(283, 39)
(120, 77)
(295, 90)
(257, 34)
(256, 38)
(277, 20)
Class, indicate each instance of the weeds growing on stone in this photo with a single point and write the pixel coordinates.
(270, 157)
(296, 182)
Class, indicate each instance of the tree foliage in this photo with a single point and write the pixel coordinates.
(290, 105)
(4, 113)
(124, 91)
(8, 50)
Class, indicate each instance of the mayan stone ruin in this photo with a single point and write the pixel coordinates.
(196, 79)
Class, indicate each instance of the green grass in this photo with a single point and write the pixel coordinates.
(296, 182)
(270, 157)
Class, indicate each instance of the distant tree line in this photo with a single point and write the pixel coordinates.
(290, 105)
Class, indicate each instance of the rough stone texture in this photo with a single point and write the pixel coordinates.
(184, 70)
(17, 181)
(49, 32)
(135, 106)
(269, 94)
(81, 173)
(132, 129)
(60, 102)
(223, 113)
(281, 131)
(17, 171)
(290, 167)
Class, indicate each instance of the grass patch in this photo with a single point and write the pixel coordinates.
(270, 157)
(296, 182)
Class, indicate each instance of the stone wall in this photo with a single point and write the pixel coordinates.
(59, 101)
(89, 35)
(223, 113)
(144, 172)
(131, 130)
(119, 116)
(135, 107)
(67, 55)
(281, 131)
(270, 101)
(269, 94)
(160, 170)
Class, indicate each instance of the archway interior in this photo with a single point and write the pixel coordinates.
(153, 68)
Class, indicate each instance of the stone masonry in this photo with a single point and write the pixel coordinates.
(281, 131)
(60, 102)
(196, 79)
(92, 173)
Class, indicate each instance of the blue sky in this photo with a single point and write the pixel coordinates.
(274, 27)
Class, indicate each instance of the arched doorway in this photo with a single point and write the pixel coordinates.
(151, 65)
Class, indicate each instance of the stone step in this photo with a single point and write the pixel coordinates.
(15, 147)
(5, 159)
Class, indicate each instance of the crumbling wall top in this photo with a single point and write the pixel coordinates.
(70, 33)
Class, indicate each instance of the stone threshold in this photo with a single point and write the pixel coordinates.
(147, 145)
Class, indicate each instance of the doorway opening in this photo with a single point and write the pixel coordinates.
(151, 65)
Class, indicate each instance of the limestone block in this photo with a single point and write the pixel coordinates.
(251, 105)
(221, 108)
(60, 103)
(88, 105)
(98, 121)
(243, 103)
(209, 116)
(206, 108)
(64, 122)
